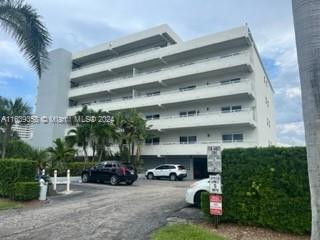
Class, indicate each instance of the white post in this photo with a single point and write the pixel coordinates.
(68, 180)
(43, 172)
(55, 180)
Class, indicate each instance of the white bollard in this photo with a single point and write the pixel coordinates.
(43, 172)
(55, 180)
(68, 180)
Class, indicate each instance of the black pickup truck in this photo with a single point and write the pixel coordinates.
(113, 172)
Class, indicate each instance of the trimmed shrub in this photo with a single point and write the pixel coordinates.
(267, 187)
(76, 168)
(13, 171)
(205, 204)
(24, 191)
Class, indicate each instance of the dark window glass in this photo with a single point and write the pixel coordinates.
(160, 167)
(148, 141)
(184, 139)
(156, 116)
(156, 140)
(192, 113)
(192, 139)
(180, 167)
(149, 117)
(238, 137)
(172, 167)
(227, 137)
(108, 165)
(225, 109)
(183, 114)
(236, 108)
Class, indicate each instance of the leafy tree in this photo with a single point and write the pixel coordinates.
(60, 153)
(22, 22)
(9, 110)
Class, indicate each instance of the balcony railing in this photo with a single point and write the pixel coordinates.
(116, 58)
(164, 69)
(171, 96)
(197, 148)
(214, 118)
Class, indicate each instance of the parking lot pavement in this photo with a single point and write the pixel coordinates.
(98, 211)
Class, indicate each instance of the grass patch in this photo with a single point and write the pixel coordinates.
(7, 204)
(184, 232)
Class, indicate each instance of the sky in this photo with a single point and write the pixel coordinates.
(78, 24)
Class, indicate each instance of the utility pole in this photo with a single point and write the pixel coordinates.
(306, 14)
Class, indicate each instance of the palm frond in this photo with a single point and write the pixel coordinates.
(22, 22)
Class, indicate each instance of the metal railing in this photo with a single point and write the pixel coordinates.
(162, 69)
(170, 92)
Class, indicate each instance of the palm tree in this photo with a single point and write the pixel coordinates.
(22, 22)
(80, 136)
(306, 15)
(9, 110)
(60, 153)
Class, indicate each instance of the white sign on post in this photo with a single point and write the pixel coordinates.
(215, 184)
(214, 159)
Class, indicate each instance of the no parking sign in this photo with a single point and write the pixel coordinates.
(216, 205)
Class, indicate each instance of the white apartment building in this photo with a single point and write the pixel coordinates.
(212, 90)
(24, 131)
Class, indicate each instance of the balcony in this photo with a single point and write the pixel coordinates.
(239, 60)
(199, 148)
(245, 117)
(243, 87)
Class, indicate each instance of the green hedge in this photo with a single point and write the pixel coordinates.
(205, 205)
(26, 191)
(267, 187)
(13, 171)
(76, 168)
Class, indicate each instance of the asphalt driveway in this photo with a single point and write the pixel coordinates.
(98, 211)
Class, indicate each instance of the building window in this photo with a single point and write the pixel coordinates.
(127, 97)
(227, 109)
(152, 141)
(230, 81)
(188, 139)
(189, 113)
(153, 116)
(150, 94)
(233, 137)
(188, 88)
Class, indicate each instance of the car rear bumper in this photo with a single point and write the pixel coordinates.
(182, 175)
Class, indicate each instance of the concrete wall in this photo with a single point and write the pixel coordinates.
(52, 99)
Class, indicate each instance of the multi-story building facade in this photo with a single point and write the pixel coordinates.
(24, 131)
(212, 90)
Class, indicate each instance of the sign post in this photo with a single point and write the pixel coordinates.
(215, 185)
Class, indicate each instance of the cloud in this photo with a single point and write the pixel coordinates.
(293, 92)
(7, 74)
(291, 133)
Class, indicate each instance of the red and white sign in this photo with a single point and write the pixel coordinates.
(216, 205)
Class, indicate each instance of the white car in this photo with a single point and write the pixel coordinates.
(171, 171)
(193, 193)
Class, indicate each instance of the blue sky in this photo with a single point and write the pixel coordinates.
(78, 24)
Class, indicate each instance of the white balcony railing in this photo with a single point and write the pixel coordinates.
(101, 68)
(198, 148)
(117, 58)
(244, 86)
(218, 118)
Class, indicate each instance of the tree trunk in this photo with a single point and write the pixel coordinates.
(307, 28)
(6, 137)
(85, 154)
(132, 152)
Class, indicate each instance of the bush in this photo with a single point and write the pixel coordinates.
(267, 187)
(205, 204)
(26, 191)
(76, 168)
(13, 171)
